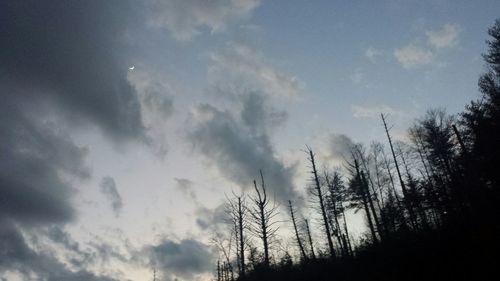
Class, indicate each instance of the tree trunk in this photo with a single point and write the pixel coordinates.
(299, 241)
(321, 204)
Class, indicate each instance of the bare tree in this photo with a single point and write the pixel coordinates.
(263, 215)
(401, 181)
(358, 153)
(225, 246)
(237, 210)
(309, 237)
(317, 191)
(297, 235)
(359, 190)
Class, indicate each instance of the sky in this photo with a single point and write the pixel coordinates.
(125, 124)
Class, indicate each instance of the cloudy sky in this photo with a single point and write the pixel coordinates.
(124, 123)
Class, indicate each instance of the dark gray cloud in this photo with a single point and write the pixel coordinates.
(239, 149)
(186, 187)
(67, 53)
(63, 68)
(339, 147)
(16, 255)
(108, 188)
(237, 140)
(60, 66)
(58, 235)
(34, 155)
(84, 254)
(259, 116)
(211, 218)
(184, 259)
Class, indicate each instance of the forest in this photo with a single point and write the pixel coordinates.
(430, 204)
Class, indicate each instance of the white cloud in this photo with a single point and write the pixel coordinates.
(184, 18)
(413, 56)
(357, 77)
(362, 111)
(372, 54)
(244, 68)
(446, 37)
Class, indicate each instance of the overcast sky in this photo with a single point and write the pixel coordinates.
(124, 123)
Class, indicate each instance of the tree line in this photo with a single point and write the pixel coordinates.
(431, 204)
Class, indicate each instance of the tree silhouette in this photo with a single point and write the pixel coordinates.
(297, 235)
(263, 214)
(317, 191)
(431, 205)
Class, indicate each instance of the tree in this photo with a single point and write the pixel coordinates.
(262, 216)
(309, 238)
(401, 181)
(297, 235)
(481, 120)
(336, 209)
(237, 209)
(317, 191)
(357, 186)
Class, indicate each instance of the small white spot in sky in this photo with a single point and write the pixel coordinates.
(131, 67)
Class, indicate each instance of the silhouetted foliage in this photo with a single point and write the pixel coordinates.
(431, 205)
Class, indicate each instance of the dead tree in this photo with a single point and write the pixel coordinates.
(360, 189)
(366, 182)
(262, 215)
(347, 237)
(225, 246)
(401, 181)
(309, 237)
(297, 235)
(394, 195)
(318, 192)
(237, 210)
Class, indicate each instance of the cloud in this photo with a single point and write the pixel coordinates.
(258, 116)
(18, 257)
(239, 68)
(185, 259)
(211, 218)
(237, 140)
(58, 72)
(357, 77)
(70, 61)
(108, 188)
(36, 162)
(413, 56)
(239, 151)
(184, 19)
(156, 96)
(372, 54)
(186, 187)
(63, 69)
(446, 37)
(373, 112)
(58, 235)
(155, 92)
(338, 148)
